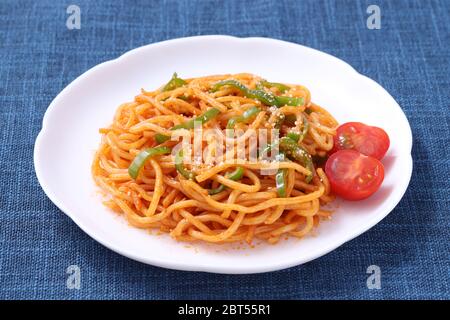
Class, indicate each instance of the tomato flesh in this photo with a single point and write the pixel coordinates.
(370, 141)
(352, 175)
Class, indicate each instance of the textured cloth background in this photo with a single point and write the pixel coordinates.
(409, 56)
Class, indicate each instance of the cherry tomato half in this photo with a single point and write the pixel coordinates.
(370, 141)
(352, 175)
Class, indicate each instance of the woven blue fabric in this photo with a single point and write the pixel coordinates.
(409, 56)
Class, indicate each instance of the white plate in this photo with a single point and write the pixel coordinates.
(65, 147)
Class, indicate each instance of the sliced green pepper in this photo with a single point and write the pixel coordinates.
(298, 137)
(267, 149)
(180, 166)
(304, 130)
(280, 178)
(261, 95)
(295, 152)
(280, 86)
(289, 101)
(183, 97)
(161, 138)
(293, 135)
(235, 175)
(203, 118)
(249, 113)
(142, 157)
(174, 83)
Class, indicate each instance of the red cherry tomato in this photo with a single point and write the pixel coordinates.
(370, 141)
(352, 175)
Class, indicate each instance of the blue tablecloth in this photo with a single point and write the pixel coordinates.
(409, 56)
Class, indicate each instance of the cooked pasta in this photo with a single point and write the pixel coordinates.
(147, 174)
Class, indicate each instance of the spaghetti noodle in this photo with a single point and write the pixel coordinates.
(149, 180)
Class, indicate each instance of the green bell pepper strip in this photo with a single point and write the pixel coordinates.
(298, 137)
(295, 152)
(232, 122)
(142, 157)
(235, 175)
(261, 95)
(174, 83)
(280, 178)
(279, 121)
(267, 149)
(217, 190)
(249, 113)
(304, 130)
(281, 87)
(288, 101)
(205, 117)
(161, 138)
(180, 166)
(293, 135)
